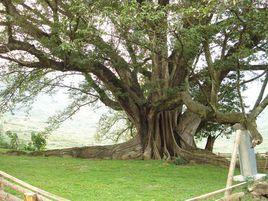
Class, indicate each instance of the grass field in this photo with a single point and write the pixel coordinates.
(84, 180)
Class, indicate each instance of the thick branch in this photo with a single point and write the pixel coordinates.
(102, 95)
(251, 67)
(17, 18)
(44, 62)
(213, 76)
(262, 91)
(256, 111)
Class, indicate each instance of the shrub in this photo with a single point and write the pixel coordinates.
(14, 140)
(29, 147)
(38, 142)
(3, 143)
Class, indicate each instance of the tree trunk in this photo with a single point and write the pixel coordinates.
(167, 139)
(187, 127)
(168, 134)
(161, 142)
(210, 143)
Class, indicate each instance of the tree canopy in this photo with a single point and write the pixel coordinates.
(164, 63)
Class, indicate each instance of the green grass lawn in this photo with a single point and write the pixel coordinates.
(81, 179)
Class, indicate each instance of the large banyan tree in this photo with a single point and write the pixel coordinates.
(171, 65)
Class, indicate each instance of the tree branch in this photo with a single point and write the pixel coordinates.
(256, 111)
(262, 91)
(102, 95)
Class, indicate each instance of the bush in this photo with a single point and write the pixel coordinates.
(3, 143)
(14, 140)
(38, 142)
(29, 147)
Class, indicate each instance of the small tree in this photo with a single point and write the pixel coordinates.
(38, 140)
(211, 131)
(37, 143)
(14, 140)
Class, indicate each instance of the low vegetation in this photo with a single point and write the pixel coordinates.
(80, 179)
(11, 140)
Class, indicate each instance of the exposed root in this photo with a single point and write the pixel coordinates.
(128, 151)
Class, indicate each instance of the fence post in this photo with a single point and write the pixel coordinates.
(229, 182)
(1, 185)
(30, 197)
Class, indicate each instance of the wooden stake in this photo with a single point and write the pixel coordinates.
(1, 186)
(229, 182)
(211, 194)
(32, 188)
(8, 197)
(30, 197)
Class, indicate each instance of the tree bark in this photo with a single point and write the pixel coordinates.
(187, 127)
(168, 133)
(210, 143)
(171, 135)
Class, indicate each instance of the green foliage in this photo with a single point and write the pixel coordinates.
(130, 50)
(23, 85)
(213, 129)
(38, 142)
(115, 126)
(229, 102)
(10, 140)
(229, 98)
(14, 140)
(3, 142)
